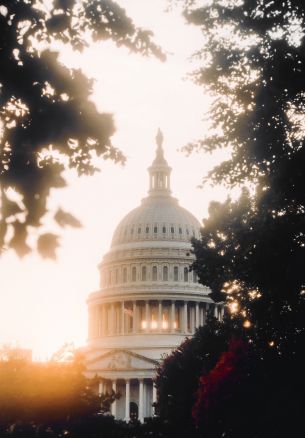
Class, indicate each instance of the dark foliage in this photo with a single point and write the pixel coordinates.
(178, 376)
(48, 123)
(247, 392)
(252, 251)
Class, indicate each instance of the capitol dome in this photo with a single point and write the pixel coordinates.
(148, 301)
(157, 218)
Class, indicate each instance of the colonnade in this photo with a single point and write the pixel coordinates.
(136, 397)
(150, 316)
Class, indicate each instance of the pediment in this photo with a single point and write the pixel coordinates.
(121, 360)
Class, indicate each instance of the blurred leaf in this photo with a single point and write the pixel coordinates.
(18, 241)
(64, 218)
(47, 245)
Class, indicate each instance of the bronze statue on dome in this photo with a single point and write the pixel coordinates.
(159, 138)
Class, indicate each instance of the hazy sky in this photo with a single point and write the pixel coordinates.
(43, 303)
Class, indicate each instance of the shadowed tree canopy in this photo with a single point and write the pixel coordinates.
(178, 375)
(246, 394)
(252, 251)
(48, 123)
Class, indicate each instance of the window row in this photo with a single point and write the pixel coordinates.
(157, 229)
(147, 273)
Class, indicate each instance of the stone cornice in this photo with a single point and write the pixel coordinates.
(99, 298)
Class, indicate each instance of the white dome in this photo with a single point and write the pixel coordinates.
(148, 300)
(157, 218)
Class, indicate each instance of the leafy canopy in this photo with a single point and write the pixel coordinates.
(47, 121)
(252, 251)
(178, 374)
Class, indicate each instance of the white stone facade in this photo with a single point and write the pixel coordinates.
(148, 301)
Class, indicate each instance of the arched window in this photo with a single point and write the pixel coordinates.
(155, 229)
(186, 274)
(180, 230)
(164, 230)
(147, 229)
(176, 273)
(165, 273)
(172, 230)
(154, 273)
(134, 273)
(195, 277)
(124, 276)
(143, 273)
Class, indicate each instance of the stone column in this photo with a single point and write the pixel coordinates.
(160, 316)
(172, 318)
(134, 317)
(147, 315)
(103, 311)
(127, 401)
(122, 318)
(154, 397)
(141, 400)
(197, 320)
(112, 322)
(185, 317)
(101, 388)
(113, 405)
(99, 321)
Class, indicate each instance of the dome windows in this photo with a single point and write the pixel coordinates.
(155, 229)
(114, 276)
(144, 273)
(163, 230)
(124, 275)
(172, 230)
(134, 274)
(180, 230)
(154, 273)
(147, 230)
(186, 275)
(176, 273)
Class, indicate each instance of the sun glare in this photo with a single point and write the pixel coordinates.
(43, 304)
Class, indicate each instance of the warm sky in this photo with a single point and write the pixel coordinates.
(43, 303)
